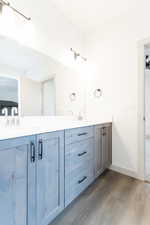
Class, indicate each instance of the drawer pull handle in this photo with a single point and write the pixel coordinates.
(80, 181)
(32, 151)
(40, 152)
(82, 134)
(81, 154)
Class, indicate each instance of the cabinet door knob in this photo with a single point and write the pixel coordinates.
(32, 152)
(40, 150)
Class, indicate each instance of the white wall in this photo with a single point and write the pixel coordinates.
(48, 31)
(68, 81)
(113, 50)
(30, 97)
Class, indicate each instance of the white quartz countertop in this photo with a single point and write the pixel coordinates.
(43, 126)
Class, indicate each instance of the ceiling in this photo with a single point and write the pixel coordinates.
(89, 14)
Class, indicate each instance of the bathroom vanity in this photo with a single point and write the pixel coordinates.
(43, 173)
(48, 153)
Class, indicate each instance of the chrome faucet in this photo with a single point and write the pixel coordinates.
(14, 111)
(5, 111)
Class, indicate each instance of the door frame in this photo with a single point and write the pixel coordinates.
(141, 108)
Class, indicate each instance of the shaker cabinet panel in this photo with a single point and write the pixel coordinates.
(106, 147)
(98, 163)
(78, 153)
(50, 176)
(78, 134)
(103, 148)
(110, 146)
(15, 207)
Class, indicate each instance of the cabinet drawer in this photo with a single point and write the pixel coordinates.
(76, 184)
(78, 153)
(78, 171)
(78, 134)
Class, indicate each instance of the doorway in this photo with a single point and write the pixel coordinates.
(144, 110)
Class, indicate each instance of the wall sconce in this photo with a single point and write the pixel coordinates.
(97, 93)
(77, 55)
(6, 3)
(72, 96)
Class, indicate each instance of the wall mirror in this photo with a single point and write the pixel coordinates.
(34, 84)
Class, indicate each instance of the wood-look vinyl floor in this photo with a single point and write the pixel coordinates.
(114, 199)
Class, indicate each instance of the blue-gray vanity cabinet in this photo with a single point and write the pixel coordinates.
(17, 181)
(50, 176)
(42, 174)
(98, 163)
(103, 148)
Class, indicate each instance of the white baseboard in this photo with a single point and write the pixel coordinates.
(125, 172)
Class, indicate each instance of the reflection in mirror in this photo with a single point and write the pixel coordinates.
(48, 95)
(8, 96)
(44, 83)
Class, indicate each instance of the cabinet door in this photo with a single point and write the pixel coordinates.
(98, 164)
(103, 148)
(109, 146)
(106, 147)
(50, 176)
(15, 184)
